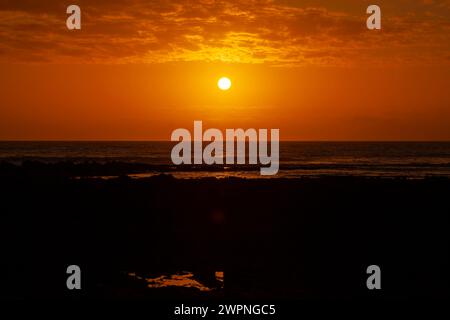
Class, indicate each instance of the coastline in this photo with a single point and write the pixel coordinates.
(109, 169)
(281, 238)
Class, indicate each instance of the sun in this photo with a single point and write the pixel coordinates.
(224, 83)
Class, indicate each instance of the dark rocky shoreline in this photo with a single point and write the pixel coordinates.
(283, 239)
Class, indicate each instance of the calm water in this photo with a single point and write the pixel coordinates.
(412, 159)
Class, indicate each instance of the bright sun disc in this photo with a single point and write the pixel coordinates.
(224, 83)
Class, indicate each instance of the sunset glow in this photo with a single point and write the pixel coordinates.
(224, 157)
(311, 69)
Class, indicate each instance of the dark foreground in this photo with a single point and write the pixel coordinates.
(274, 239)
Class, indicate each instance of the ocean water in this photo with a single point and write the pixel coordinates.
(297, 159)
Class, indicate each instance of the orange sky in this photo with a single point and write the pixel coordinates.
(140, 69)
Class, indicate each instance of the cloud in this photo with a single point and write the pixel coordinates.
(245, 31)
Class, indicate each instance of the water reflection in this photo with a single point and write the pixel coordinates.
(184, 279)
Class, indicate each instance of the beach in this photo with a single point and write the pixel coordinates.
(282, 239)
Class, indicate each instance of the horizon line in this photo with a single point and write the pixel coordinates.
(157, 140)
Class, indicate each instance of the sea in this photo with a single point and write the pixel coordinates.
(297, 159)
